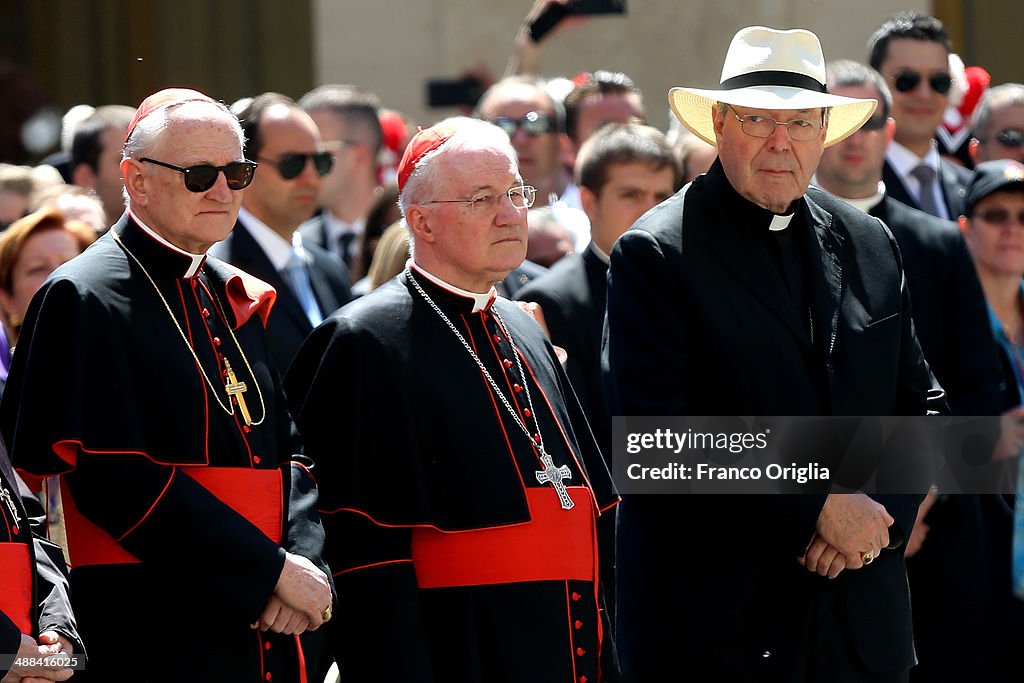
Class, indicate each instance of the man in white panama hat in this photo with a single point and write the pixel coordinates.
(749, 294)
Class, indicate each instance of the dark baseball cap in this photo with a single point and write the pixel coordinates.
(993, 176)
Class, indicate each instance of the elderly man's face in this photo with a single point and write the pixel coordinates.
(537, 153)
(475, 245)
(197, 133)
(1004, 118)
(773, 171)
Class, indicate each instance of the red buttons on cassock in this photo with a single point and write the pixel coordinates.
(578, 625)
(216, 341)
(536, 437)
(266, 645)
(507, 363)
(256, 459)
(497, 339)
(527, 412)
(580, 652)
(517, 388)
(206, 312)
(583, 679)
(246, 429)
(575, 596)
(270, 675)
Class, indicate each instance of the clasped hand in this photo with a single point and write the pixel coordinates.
(849, 526)
(301, 596)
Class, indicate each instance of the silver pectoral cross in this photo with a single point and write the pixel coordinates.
(554, 476)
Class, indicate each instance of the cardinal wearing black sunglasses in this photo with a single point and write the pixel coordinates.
(170, 389)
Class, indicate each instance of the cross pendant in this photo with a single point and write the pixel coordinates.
(555, 475)
(236, 390)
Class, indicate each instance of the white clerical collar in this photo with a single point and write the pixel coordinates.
(480, 301)
(780, 222)
(865, 204)
(196, 260)
(599, 254)
(277, 248)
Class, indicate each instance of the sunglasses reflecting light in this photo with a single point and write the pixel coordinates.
(533, 123)
(201, 177)
(290, 164)
(907, 80)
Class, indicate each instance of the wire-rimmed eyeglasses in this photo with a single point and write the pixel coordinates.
(521, 196)
(760, 126)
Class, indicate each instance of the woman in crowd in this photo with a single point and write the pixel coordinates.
(994, 230)
(30, 249)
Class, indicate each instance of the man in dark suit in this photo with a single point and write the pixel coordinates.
(951, 627)
(349, 121)
(911, 51)
(622, 171)
(748, 294)
(310, 283)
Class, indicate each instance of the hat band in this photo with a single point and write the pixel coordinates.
(784, 78)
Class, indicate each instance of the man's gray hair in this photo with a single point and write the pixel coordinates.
(1005, 95)
(472, 134)
(146, 132)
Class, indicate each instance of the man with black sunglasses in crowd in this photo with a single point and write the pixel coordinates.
(911, 51)
(998, 125)
(310, 283)
(145, 379)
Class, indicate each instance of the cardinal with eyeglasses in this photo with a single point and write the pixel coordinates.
(143, 378)
(460, 484)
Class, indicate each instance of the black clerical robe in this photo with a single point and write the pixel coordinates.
(105, 391)
(428, 483)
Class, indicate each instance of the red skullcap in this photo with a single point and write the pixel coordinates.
(161, 99)
(426, 140)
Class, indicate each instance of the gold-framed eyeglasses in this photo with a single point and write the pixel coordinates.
(759, 126)
(521, 196)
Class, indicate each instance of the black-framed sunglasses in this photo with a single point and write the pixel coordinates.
(907, 80)
(290, 164)
(533, 123)
(1009, 137)
(201, 177)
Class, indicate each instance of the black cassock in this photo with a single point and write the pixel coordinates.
(428, 482)
(104, 390)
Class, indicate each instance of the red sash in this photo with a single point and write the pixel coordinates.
(16, 596)
(254, 494)
(555, 545)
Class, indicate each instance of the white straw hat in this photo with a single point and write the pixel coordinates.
(770, 69)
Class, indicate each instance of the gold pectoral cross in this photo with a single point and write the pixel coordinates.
(236, 390)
